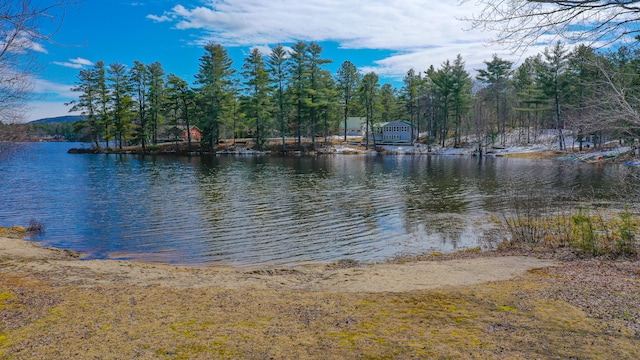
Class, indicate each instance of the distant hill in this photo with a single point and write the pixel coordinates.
(59, 119)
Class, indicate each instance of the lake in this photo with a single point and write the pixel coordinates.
(275, 211)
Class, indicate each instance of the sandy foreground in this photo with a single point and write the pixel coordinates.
(66, 268)
(54, 305)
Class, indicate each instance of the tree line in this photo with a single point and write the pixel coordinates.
(289, 93)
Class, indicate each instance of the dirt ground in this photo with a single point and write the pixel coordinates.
(65, 268)
(54, 305)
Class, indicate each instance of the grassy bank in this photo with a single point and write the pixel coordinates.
(548, 313)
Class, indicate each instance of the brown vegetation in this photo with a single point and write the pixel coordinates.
(578, 309)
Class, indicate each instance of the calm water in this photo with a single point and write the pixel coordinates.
(251, 211)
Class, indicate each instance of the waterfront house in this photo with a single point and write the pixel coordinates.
(196, 134)
(178, 133)
(394, 132)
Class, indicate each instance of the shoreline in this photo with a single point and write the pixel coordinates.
(65, 267)
(538, 150)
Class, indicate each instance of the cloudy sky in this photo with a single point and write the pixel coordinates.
(386, 36)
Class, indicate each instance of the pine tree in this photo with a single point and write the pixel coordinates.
(156, 98)
(461, 96)
(315, 98)
(277, 63)
(298, 77)
(552, 77)
(497, 78)
(348, 81)
(183, 97)
(139, 77)
(121, 103)
(87, 104)
(256, 81)
(214, 76)
(103, 99)
(410, 94)
(369, 92)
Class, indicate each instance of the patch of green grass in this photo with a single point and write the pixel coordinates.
(506, 308)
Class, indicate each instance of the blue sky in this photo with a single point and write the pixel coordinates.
(386, 36)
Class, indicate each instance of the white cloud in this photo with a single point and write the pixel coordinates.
(48, 88)
(22, 43)
(77, 63)
(419, 32)
(49, 100)
(162, 18)
(45, 109)
(37, 47)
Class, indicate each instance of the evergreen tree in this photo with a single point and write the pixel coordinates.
(583, 77)
(298, 82)
(277, 63)
(329, 105)
(87, 104)
(214, 76)
(316, 94)
(139, 77)
(461, 96)
(156, 98)
(497, 78)
(369, 92)
(348, 81)
(410, 94)
(103, 95)
(552, 77)
(180, 94)
(256, 81)
(121, 103)
(388, 103)
(442, 80)
(529, 94)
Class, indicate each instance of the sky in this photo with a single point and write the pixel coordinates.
(389, 37)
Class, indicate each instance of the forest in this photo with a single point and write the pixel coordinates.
(289, 94)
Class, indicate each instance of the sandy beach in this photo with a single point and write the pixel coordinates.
(66, 268)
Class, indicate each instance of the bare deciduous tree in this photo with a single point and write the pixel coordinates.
(613, 101)
(616, 100)
(519, 24)
(20, 36)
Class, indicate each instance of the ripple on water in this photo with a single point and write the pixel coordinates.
(248, 211)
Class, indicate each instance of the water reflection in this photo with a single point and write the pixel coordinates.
(247, 211)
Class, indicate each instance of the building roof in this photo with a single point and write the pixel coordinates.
(184, 128)
(396, 122)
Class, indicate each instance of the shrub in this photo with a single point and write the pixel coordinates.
(591, 233)
(35, 227)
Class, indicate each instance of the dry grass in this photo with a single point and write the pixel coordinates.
(549, 313)
(548, 154)
(593, 233)
(14, 232)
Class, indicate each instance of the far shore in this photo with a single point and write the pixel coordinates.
(611, 152)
